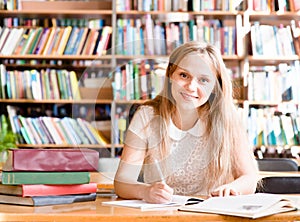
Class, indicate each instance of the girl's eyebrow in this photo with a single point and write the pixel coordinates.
(202, 75)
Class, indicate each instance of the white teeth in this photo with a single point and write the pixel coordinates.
(187, 95)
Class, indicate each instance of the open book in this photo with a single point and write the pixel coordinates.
(176, 202)
(251, 206)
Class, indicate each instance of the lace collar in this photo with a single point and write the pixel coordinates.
(178, 134)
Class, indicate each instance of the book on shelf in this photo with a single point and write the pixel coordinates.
(42, 42)
(29, 190)
(104, 40)
(81, 41)
(57, 41)
(27, 177)
(29, 41)
(12, 41)
(48, 41)
(176, 202)
(249, 206)
(47, 200)
(64, 40)
(4, 36)
(35, 41)
(72, 41)
(52, 160)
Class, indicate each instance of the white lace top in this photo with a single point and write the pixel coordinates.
(183, 168)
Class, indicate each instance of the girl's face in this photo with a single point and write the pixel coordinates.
(192, 82)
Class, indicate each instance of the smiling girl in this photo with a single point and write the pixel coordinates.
(189, 140)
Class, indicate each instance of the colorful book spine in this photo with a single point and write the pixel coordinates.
(29, 190)
(47, 200)
(52, 160)
(17, 178)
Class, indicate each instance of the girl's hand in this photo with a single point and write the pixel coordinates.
(158, 192)
(225, 190)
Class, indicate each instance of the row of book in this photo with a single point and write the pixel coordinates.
(177, 5)
(53, 130)
(40, 177)
(274, 83)
(272, 40)
(148, 36)
(49, 22)
(138, 80)
(70, 40)
(38, 84)
(274, 5)
(270, 127)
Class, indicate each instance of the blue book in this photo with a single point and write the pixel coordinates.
(47, 200)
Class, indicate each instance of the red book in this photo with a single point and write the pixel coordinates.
(52, 160)
(29, 190)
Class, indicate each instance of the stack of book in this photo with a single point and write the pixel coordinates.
(40, 177)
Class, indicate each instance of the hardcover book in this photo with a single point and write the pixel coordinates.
(29, 190)
(250, 206)
(52, 160)
(17, 178)
(47, 200)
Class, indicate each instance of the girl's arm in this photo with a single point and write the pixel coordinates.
(246, 175)
(126, 180)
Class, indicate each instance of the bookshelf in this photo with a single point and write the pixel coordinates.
(125, 17)
(272, 101)
(59, 15)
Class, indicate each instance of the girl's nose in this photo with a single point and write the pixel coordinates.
(193, 84)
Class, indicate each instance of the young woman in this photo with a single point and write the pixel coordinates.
(189, 140)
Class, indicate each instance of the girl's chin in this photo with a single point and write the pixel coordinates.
(190, 105)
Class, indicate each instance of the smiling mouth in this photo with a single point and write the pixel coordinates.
(187, 96)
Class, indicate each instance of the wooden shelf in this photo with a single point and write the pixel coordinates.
(272, 60)
(92, 146)
(89, 14)
(255, 15)
(54, 101)
(55, 57)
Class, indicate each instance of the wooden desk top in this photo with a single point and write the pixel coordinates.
(94, 211)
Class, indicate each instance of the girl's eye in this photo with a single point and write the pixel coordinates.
(183, 75)
(203, 80)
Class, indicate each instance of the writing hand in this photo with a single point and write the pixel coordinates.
(158, 192)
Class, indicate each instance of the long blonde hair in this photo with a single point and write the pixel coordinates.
(223, 132)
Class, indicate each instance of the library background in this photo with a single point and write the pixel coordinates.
(71, 70)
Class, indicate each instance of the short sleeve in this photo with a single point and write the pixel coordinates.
(140, 121)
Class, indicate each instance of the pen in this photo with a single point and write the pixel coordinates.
(159, 171)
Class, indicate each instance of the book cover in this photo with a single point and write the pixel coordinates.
(66, 123)
(29, 190)
(249, 206)
(79, 132)
(17, 178)
(52, 160)
(29, 42)
(3, 38)
(82, 41)
(45, 129)
(64, 40)
(42, 42)
(58, 40)
(49, 41)
(35, 41)
(47, 200)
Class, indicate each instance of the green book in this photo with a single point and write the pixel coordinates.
(15, 178)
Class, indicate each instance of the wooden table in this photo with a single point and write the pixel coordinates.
(94, 211)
